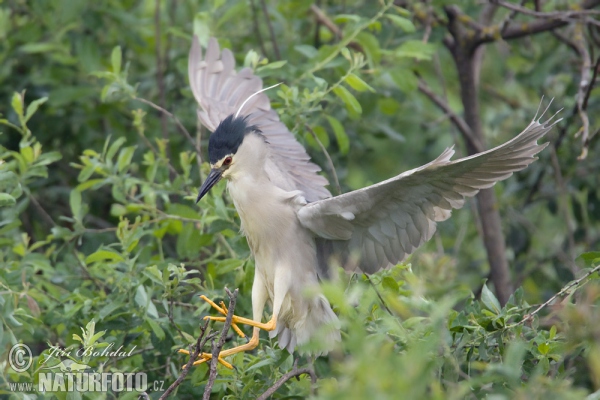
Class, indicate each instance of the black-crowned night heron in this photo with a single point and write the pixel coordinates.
(293, 225)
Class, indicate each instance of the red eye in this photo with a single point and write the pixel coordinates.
(227, 161)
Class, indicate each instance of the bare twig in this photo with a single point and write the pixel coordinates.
(561, 14)
(295, 372)
(563, 291)
(172, 116)
(509, 17)
(378, 294)
(41, 210)
(329, 160)
(324, 20)
(257, 28)
(462, 126)
(170, 315)
(159, 69)
(563, 197)
(517, 30)
(217, 347)
(263, 5)
(584, 84)
(200, 342)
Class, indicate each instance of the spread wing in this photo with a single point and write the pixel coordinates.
(383, 223)
(220, 92)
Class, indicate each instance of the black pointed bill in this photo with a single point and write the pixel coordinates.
(212, 179)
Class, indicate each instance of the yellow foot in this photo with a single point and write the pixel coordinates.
(223, 310)
(204, 357)
(269, 326)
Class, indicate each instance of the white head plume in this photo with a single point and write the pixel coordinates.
(254, 94)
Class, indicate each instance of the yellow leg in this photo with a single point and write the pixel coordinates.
(252, 343)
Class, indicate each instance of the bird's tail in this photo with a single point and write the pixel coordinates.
(319, 324)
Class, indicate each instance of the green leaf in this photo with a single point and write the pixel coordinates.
(405, 79)
(273, 65)
(370, 45)
(590, 257)
(75, 202)
(416, 49)
(390, 284)
(33, 106)
(114, 147)
(340, 134)
(489, 300)
(103, 255)
(158, 331)
(125, 157)
(17, 104)
(6, 200)
(543, 348)
(358, 84)
(403, 23)
(115, 59)
(141, 297)
(349, 100)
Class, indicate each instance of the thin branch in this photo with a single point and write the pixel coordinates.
(518, 30)
(509, 17)
(325, 21)
(329, 160)
(159, 69)
(378, 294)
(200, 342)
(271, 30)
(170, 315)
(561, 14)
(563, 196)
(41, 210)
(172, 116)
(257, 28)
(217, 348)
(295, 372)
(584, 84)
(460, 123)
(562, 292)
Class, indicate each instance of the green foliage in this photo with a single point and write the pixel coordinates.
(102, 245)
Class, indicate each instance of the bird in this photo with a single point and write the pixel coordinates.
(296, 230)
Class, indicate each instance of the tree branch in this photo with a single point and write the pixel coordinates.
(563, 291)
(160, 81)
(329, 160)
(460, 123)
(217, 348)
(271, 31)
(172, 116)
(200, 342)
(518, 30)
(293, 373)
(562, 14)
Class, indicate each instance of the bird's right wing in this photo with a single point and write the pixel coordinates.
(220, 91)
(385, 222)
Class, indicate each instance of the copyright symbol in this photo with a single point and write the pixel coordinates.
(20, 357)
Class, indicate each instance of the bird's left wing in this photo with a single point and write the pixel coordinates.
(385, 222)
(220, 91)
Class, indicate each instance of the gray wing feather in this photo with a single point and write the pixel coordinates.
(220, 91)
(374, 227)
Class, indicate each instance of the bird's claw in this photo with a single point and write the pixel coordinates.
(223, 310)
(204, 357)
